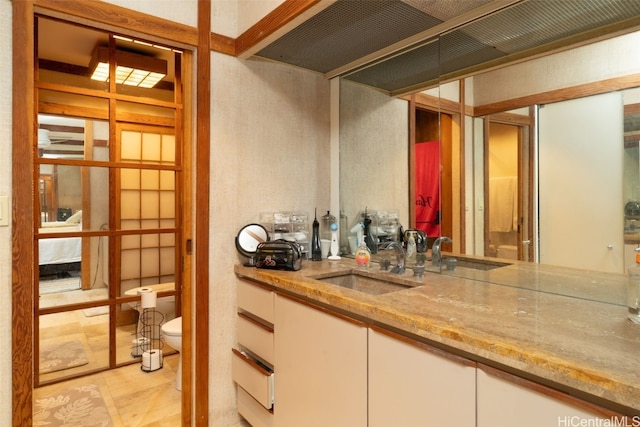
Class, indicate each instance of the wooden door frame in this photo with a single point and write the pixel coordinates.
(453, 111)
(195, 387)
(525, 177)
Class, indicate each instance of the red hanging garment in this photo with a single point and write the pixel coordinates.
(428, 187)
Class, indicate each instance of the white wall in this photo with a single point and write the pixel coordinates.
(5, 232)
(564, 69)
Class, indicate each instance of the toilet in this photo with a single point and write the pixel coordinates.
(508, 252)
(172, 334)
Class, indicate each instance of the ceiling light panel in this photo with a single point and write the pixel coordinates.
(132, 69)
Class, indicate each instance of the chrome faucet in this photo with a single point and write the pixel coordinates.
(436, 254)
(399, 267)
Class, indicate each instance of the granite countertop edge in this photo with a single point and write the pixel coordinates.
(469, 324)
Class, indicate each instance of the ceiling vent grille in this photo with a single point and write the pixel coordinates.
(349, 30)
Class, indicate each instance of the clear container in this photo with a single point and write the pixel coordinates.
(325, 226)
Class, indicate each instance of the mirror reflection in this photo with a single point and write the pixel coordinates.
(373, 161)
(513, 182)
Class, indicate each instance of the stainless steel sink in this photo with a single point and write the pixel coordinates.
(362, 283)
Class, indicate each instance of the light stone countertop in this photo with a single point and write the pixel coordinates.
(526, 325)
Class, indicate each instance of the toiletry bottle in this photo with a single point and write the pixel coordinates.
(368, 237)
(363, 256)
(344, 240)
(411, 247)
(633, 290)
(335, 246)
(316, 249)
(355, 241)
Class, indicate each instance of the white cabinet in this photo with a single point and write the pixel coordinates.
(254, 378)
(301, 365)
(321, 365)
(252, 361)
(254, 299)
(505, 400)
(412, 384)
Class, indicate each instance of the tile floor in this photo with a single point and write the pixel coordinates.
(134, 398)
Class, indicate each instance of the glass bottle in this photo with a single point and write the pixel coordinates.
(411, 248)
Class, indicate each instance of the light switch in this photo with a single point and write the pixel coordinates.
(4, 211)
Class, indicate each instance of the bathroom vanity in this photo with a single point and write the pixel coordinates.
(353, 347)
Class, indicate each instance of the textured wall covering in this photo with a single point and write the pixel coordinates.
(571, 68)
(269, 152)
(5, 232)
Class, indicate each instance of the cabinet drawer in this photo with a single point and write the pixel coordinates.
(255, 300)
(253, 377)
(255, 337)
(252, 411)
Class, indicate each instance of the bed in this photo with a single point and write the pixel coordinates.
(60, 255)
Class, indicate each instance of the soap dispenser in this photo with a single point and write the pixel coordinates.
(316, 249)
(633, 290)
(363, 256)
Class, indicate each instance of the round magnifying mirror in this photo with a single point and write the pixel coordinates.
(248, 239)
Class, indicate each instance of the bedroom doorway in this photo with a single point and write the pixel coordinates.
(109, 191)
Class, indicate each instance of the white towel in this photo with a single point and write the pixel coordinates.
(503, 203)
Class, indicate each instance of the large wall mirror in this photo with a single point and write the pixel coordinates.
(545, 145)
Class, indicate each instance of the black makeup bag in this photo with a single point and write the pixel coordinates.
(279, 255)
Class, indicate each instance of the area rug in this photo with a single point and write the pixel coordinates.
(56, 356)
(74, 407)
(96, 311)
(59, 285)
